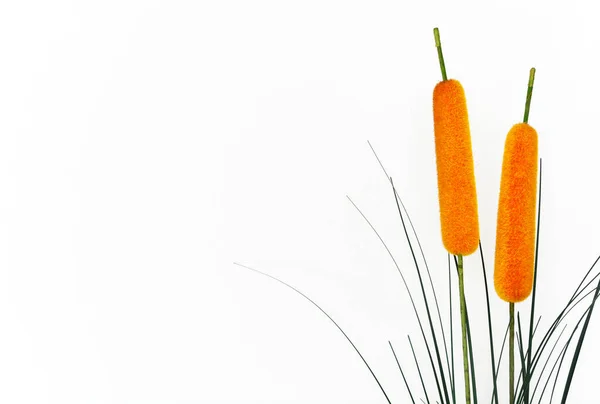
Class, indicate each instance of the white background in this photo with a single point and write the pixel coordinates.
(147, 145)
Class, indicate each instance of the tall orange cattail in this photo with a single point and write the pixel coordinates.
(456, 184)
(515, 230)
(456, 174)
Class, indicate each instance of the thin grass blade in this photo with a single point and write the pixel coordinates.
(489, 315)
(418, 369)
(533, 293)
(329, 317)
(471, 360)
(402, 373)
(432, 329)
(410, 296)
(578, 348)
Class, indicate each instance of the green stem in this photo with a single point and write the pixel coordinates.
(511, 353)
(529, 92)
(438, 45)
(463, 321)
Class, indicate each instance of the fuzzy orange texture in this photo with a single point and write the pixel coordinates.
(456, 174)
(515, 231)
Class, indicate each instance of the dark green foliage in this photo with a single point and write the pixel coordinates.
(534, 355)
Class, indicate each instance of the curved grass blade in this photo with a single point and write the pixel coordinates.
(427, 270)
(571, 304)
(533, 293)
(565, 347)
(561, 362)
(470, 344)
(562, 315)
(432, 329)
(402, 373)
(329, 317)
(560, 355)
(578, 348)
(409, 295)
(500, 359)
(547, 338)
(520, 391)
(487, 301)
(555, 325)
(418, 369)
(579, 301)
(546, 363)
(523, 372)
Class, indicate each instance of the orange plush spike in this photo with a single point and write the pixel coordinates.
(515, 231)
(456, 174)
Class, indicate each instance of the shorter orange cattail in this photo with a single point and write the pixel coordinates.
(515, 232)
(456, 174)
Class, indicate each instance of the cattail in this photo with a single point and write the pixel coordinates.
(456, 184)
(515, 231)
(455, 170)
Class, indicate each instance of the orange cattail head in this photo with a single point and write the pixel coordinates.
(456, 174)
(515, 231)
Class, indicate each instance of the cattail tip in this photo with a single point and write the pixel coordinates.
(531, 76)
(436, 35)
